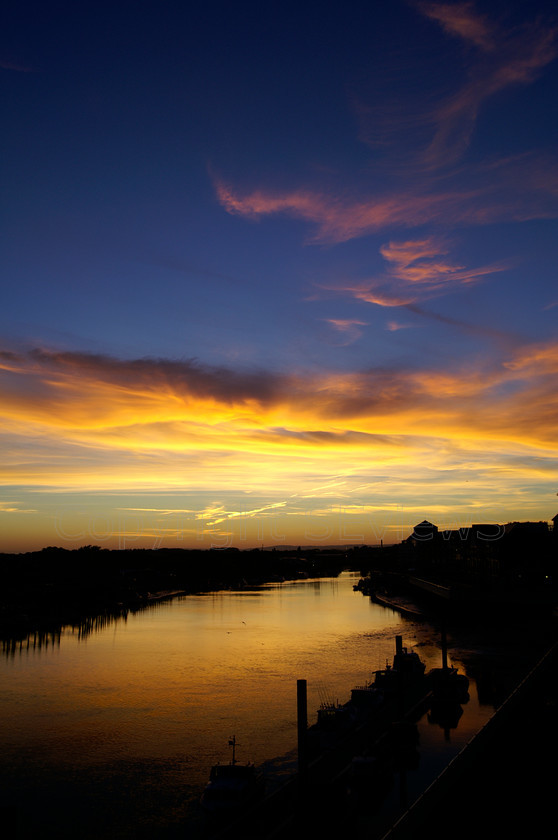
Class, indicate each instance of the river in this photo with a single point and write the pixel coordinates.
(110, 729)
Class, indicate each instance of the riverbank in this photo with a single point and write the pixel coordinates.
(46, 590)
(402, 605)
(432, 597)
(468, 630)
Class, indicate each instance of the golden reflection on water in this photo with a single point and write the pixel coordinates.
(164, 689)
(183, 674)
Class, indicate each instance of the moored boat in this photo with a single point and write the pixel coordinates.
(407, 668)
(232, 787)
(393, 683)
(447, 683)
(335, 716)
(407, 663)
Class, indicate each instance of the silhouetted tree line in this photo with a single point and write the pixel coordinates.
(46, 589)
(55, 586)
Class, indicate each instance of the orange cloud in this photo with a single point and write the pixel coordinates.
(151, 404)
(340, 218)
(514, 190)
(421, 263)
(232, 446)
(419, 270)
(535, 360)
(371, 295)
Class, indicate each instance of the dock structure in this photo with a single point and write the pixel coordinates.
(498, 784)
(314, 796)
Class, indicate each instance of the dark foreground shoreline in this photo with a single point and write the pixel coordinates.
(43, 591)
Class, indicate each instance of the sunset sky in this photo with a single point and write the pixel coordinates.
(276, 273)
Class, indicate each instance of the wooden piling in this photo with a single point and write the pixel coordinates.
(302, 725)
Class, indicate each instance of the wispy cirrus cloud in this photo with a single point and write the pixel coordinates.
(348, 328)
(463, 20)
(339, 218)
(518, 61)
(498, 56)
(12, 507)
(416, 271)
(423, 264)
(513, 190)
(423, 142)
(16, 66)
(211, 514)
(394, 326)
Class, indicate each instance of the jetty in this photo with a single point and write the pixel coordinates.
(500, 780)
(325, 761)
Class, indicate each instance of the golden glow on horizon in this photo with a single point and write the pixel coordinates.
(433, 440)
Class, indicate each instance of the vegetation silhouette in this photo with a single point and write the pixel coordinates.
(43, 591)
(84, 588)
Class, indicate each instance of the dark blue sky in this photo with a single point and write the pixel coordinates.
(341, 199)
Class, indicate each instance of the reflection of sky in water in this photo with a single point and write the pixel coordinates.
(163, 691)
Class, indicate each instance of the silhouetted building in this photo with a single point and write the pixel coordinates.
(424, 532)
(527, 530)
(482, 553)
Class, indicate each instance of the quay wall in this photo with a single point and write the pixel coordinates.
(501, 779)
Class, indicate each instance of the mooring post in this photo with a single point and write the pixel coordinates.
(302, 725)
(444, 649)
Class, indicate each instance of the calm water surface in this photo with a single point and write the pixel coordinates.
(112, 732)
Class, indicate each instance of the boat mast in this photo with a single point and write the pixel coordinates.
(232, 743)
